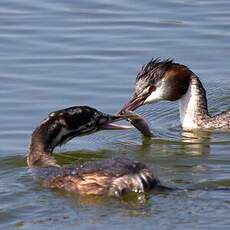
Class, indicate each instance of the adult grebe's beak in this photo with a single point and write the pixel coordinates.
(138, 99)
(134, 102)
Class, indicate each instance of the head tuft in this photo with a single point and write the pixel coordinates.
(155, 67)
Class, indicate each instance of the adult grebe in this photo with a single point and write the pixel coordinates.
(166, 80)
(108, 177)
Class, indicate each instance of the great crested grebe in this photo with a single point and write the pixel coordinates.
(165, 80)
(108, 177)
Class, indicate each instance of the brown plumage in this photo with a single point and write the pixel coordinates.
(112, 177)
(108, 177)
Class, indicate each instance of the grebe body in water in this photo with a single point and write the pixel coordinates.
(108, 177)
(166, 80)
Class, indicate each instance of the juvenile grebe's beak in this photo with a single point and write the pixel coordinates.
(106, 122)
(137, 121)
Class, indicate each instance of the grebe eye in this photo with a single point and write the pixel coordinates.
(152, 88)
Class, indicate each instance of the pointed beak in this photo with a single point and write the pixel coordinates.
(134, 102)
(106, 122)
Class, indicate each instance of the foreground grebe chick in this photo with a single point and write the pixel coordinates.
(107, 177)
(165, 80)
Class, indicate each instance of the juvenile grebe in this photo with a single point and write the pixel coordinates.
(107, 177)
(166, 80)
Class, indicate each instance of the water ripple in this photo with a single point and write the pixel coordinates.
(55, 54)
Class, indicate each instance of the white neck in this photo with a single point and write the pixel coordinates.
(193, 105)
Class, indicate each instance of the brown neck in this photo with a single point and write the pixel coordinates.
(39, 152)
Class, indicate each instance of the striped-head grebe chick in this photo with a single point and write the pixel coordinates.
(165, 80)
(108, 177)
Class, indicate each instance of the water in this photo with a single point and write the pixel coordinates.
(55, 54)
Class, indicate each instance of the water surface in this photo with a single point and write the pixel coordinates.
(55, 54)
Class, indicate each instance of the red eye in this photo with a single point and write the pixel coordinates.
(152, 88)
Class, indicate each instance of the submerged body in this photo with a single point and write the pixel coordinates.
(166, 80)
(108, 177)
(112, 177)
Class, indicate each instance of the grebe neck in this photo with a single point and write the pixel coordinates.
(40, 153)
(193, 105)
(63, 125)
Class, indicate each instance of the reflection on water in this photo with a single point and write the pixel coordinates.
(64, 53)
(197, 142)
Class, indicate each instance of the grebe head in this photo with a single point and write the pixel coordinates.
(63, 125)
(159, 80)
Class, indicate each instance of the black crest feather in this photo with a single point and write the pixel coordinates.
(156, 67)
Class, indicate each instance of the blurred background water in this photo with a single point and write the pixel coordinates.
(55, 54)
